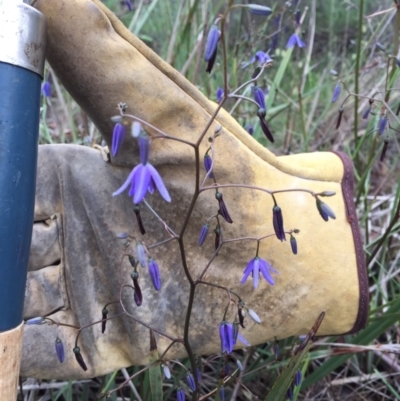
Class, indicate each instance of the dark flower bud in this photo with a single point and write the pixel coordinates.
(104, 314)
(203, 234)
(366, 113)
(207, 164)
(154, 273)
(339, 120)
(144, 148)
(384, 149)
(398, 110)
(137, 295)
(136, 209)
(79, 358)
(336, 92)
(324, 210)
(297, 378)
(117, 138)
(223, 211)
(46, 89)
(241, 317)
(190, 381)
(382, 125)
(259, 97)
(293, 244)
(289, 393)
(132, 260)
(256, 9)
(222, 393)
(217, 232)
(278, 223)
(266, 130)
(180, 395)
(59, 346)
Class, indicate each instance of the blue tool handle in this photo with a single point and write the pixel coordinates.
(19, 125)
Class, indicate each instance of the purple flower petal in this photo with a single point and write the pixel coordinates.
(128, 181)
(157, 180)
(256, 273)
(247, 271)
(265, 271)
(142, 180)
(243, 340)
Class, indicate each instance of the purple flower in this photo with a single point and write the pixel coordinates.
(198, 373)
(46, 89)
(141, 254)
(366, 113)
(324, 210)
(180, 395)
(144, 148)
(207, 164)
(203, 234)
(264, 126)
(190, 381)
(154, 272)
(223, 211)
(242, 340)
(143, 178)
(297, 378)
(60, 350)
(257, 266)
(295, 40)
(250, 129)
(211, 48)
(293, 244)
(289, 393)
(336, 92)
(260, 57)
(278, 223)
(117, 138)
(219, 94)
(226, 337)
(128, 4)
(382, 125)
(259, 97)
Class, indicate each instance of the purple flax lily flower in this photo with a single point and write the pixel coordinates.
(190, 381)
(46, 89)
(128, 4)
(259, 97)
(257, 266)
(144, 148)
(203, 234)
(154, 272)
(143, 178)
(117, 138)
(293, 244)
(295, 40)
(366, 113)
(211, 48)
(243, 340)
(223, 211)
(250, 129)
(278, 223)
(336, 92)
(219, 94)
(324, 210)
(297, 378)
(260, 57)
(289, 393)
(208, 164)
(382, 125)
(180, 395)
(60, 350)
(226, 336)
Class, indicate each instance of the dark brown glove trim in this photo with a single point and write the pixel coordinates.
(348, 196)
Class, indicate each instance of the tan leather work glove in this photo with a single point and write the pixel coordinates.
(75, 268)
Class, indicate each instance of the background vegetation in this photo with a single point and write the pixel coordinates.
(343, 35)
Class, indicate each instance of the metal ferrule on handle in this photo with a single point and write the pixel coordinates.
(22, 49)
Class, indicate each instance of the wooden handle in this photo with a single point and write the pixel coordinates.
(10, 360)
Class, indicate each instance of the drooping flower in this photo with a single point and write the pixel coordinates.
(79, 358)
(154, 272)
(293, 244)
(143, 179)
(278, 223)
(366, 113)
(295, 40)
(336, 92)
(324, 210)
(297, 378)
(208, 164)
(223, 211)
(203, 234)
(257, 266)
(211, 48)
(60, 350)
(46, 89)
(382, 125)
(128, 4)
(104, 314)
(117, 138)
(260, 57)
(259, 97)
(190, 381)
(226, 337)
(219, 95)
(180, 395)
